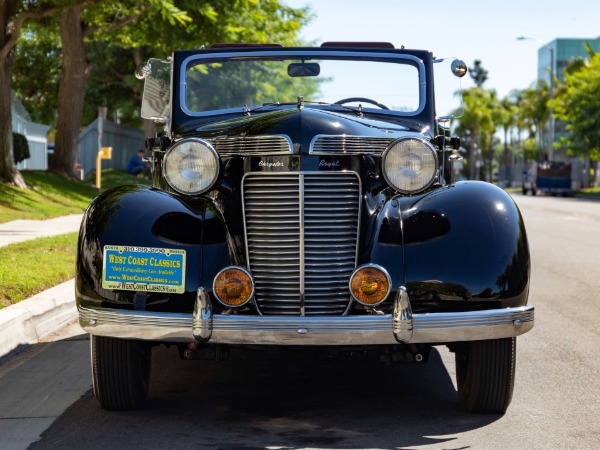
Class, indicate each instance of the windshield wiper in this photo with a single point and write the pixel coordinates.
(247, 111)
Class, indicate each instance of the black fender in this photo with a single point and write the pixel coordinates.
(148, 217)
(463, 246)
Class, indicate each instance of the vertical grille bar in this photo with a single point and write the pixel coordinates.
(301, 232)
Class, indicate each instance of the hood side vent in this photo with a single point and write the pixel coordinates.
(278, 144)
(348, 145)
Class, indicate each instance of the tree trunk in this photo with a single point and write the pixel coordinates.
(8, 170)
(507, 160)
(71, 92)
(474, 148)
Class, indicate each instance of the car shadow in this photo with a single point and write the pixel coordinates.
(283, 399)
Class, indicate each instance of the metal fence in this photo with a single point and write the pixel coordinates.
(124, 141)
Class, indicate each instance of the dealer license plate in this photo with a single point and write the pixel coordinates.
(143, 269)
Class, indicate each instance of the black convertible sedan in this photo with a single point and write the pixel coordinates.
(303, 197)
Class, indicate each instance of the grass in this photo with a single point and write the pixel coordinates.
(112, 178)
(51, 195)
(30, 267)
(512, 190)
(593, 191)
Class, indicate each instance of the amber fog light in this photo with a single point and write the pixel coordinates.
(370, 284)
(233, 287)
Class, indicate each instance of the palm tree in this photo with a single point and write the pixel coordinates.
(507, 119)
(535, 111)
(478, 122)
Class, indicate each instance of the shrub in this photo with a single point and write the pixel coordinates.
(20, 148)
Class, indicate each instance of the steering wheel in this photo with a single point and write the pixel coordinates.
(361, 99)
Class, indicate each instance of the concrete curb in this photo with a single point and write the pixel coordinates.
(26, 322)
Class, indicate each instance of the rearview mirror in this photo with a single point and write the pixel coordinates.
(304, 69)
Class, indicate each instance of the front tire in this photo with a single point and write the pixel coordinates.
(485, 374)
(120, 372)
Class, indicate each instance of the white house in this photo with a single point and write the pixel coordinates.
(35, 134)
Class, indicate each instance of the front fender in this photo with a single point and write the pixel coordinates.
(465, 242)
(144, 217)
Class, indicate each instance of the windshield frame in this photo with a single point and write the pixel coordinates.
(195, 59)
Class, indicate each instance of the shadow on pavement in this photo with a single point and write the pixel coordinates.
(283, 400)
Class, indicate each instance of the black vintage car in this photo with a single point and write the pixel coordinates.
(302, 197)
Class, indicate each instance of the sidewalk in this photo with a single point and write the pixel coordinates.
(23, 230)
(26, 322)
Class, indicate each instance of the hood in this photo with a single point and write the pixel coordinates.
(302, 125)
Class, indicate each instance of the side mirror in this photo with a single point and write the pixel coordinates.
(448, 94)
(459, 68)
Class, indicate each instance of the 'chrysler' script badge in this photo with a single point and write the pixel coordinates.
(270, 164)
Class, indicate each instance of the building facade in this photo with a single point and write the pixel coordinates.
(553, 58)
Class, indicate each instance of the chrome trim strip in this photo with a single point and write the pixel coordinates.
(301, 255)
(418, 63)
(434, 328)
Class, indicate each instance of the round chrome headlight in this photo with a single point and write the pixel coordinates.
(409, 165)
(191, 166)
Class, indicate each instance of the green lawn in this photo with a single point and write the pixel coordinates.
(32, 266)
(593, 191)
(53, 196)
(49, 196)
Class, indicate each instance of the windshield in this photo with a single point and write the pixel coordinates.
(251, 82)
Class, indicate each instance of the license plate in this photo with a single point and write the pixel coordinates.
(143, 269)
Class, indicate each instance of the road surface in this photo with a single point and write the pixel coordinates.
(301, 400)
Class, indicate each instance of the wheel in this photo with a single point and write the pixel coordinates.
(361, 99)
(485, 374)
(120, 372)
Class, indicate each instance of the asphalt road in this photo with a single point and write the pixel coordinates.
(299, 400)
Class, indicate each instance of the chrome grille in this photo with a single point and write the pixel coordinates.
(301, 232)
(253, 145)
(349, 145)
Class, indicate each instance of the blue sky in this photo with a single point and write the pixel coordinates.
(466, 29)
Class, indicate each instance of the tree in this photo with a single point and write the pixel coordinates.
(478, 73)
(478, 123)
(11, 21)
(102, 42)
(36, 70)
(75, 27)
(506, 117)
(13, 14)
(576, 103)
(535, 111)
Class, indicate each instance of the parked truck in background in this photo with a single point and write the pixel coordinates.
(548, 177)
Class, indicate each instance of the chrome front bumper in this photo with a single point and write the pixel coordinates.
(400, 327)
